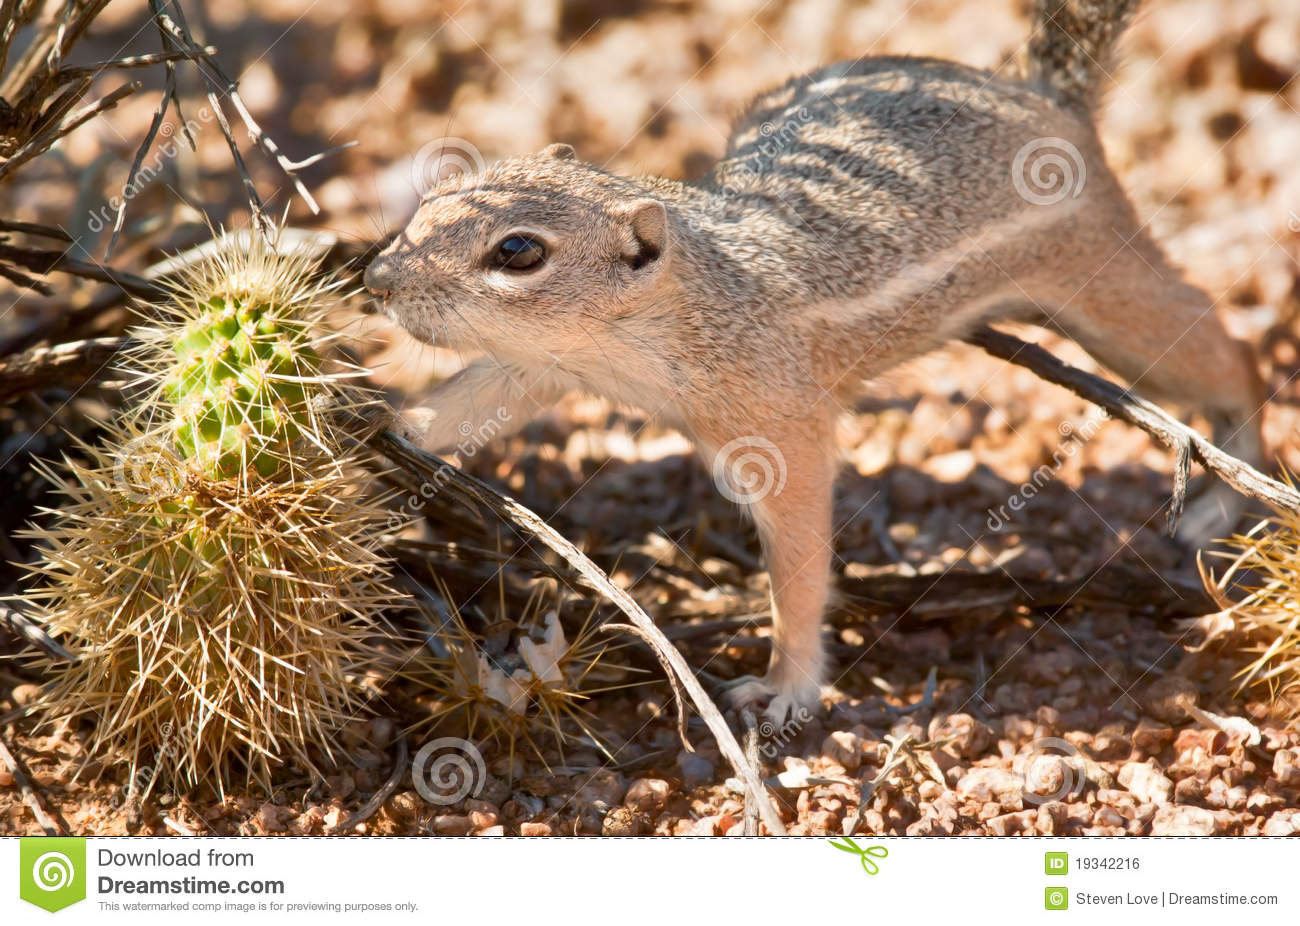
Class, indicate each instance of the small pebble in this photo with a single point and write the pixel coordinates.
(696, 770)
(449, 824)
(1165, 698)
(648, 795)
(1146, 782)
(844, 748)
(1176, 820)
(1286, 768)
(624, 821)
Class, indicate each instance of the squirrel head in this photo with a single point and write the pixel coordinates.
(524, 256)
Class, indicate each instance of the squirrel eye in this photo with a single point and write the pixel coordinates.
(519, 252)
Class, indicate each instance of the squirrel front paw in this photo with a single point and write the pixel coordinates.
(777, 700)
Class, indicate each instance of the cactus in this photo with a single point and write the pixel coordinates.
(236, 357)
(1263, 626)
(216, 564)
(236, 387)
(532, 690)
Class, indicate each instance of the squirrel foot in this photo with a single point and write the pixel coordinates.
(777, 700)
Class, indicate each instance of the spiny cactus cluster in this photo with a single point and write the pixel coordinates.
(529, 686)
(215, 564)
(236, 358)
(1264, 626)
(237, 388)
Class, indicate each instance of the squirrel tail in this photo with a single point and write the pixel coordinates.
(1072, 43)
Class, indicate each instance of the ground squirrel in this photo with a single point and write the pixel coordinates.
(862, 215)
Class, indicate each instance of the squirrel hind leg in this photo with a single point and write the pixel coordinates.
(1163, 336)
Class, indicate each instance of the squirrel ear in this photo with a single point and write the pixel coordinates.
(648, 221)
(560, 151)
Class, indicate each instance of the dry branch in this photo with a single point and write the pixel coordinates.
(29, 793)
(41, 142)
(371, 807)
(65, 364)
(34, 633)
(176, 33)
(46, 262)
(33, 228)
(957, 593)
(1121, 403)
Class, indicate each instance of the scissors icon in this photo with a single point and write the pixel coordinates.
(869, 866)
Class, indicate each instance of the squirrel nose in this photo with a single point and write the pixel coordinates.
(379, 276)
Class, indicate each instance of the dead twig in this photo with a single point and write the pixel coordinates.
(49, 261)
(29, 793)
(41, 142)
(678, 698)
(893, 760)
(1122, 404)
(33, 228)
(176, 32)
(63, 364)
(371, 807)
(133, 61)
(750, 819)
(33, 633)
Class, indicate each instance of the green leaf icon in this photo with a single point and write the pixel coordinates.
(52, 871)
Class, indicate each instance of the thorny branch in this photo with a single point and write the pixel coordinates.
(177, 35)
